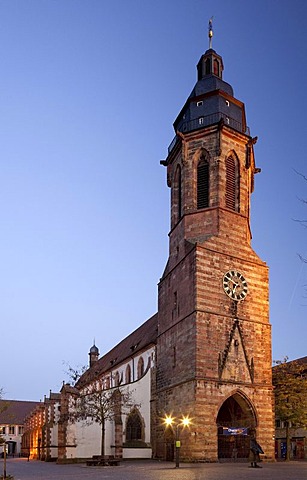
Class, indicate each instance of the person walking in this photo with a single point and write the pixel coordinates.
(255, 450)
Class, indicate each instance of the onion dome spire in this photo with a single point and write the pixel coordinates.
(93, 354)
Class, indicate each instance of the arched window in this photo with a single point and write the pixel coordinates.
(140, 367)
(208, 66)
(134, 428)
(116, 379)
(128, 374)
(232, 184)
(203, 183)
(216, 67)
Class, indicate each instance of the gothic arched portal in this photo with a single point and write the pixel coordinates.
(235, 418)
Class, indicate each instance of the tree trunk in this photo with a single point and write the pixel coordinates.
(288, 442)
(103, 430)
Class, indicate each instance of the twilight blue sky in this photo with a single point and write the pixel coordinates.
(89, 90)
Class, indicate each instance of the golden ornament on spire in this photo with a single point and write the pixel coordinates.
(210, 32)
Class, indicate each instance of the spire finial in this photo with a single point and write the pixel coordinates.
(210, 32)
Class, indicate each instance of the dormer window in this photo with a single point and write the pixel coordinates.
(201, 121)
(199, 104)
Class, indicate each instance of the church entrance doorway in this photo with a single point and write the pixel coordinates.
(235, 419)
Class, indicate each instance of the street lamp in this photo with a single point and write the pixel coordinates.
(4, 459)
(172, 422)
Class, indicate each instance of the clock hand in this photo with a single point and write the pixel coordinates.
(236, 284)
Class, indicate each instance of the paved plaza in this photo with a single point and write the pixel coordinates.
(153, 470)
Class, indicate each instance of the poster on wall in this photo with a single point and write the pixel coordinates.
(235, 431)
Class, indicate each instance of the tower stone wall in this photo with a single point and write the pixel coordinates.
(214, 342)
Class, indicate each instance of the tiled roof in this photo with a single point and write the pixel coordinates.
(67, 388)
(139, 340)
(14, 412)
(54, 396)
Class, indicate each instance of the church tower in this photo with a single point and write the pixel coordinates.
(214, 336)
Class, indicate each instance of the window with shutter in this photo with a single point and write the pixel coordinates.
(203, 184)
(232, 189)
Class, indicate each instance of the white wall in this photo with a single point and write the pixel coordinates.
(87, 438)
(54, 441)
(15, 437)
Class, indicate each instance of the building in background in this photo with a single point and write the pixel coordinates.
(12, 418)
(40, 438)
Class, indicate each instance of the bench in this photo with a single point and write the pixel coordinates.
(103, 461)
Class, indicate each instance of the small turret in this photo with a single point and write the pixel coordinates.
(93, 354)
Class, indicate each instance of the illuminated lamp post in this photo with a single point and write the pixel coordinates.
(4, 459)
(172, 422)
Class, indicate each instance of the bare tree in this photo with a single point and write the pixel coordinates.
(76, 373)
(3, 407)
(96, 405)
(92, 403)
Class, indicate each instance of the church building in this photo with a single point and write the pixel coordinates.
(205, 356)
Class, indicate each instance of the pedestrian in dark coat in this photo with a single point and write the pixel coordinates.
(255, 450)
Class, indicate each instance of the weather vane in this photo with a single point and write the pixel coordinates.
(210, 32)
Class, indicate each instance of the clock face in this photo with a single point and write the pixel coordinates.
(235, 285)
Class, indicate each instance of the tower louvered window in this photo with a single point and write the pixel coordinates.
(203, 184)
(232, 190)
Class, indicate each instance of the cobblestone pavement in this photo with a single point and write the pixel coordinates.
(152, 470)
